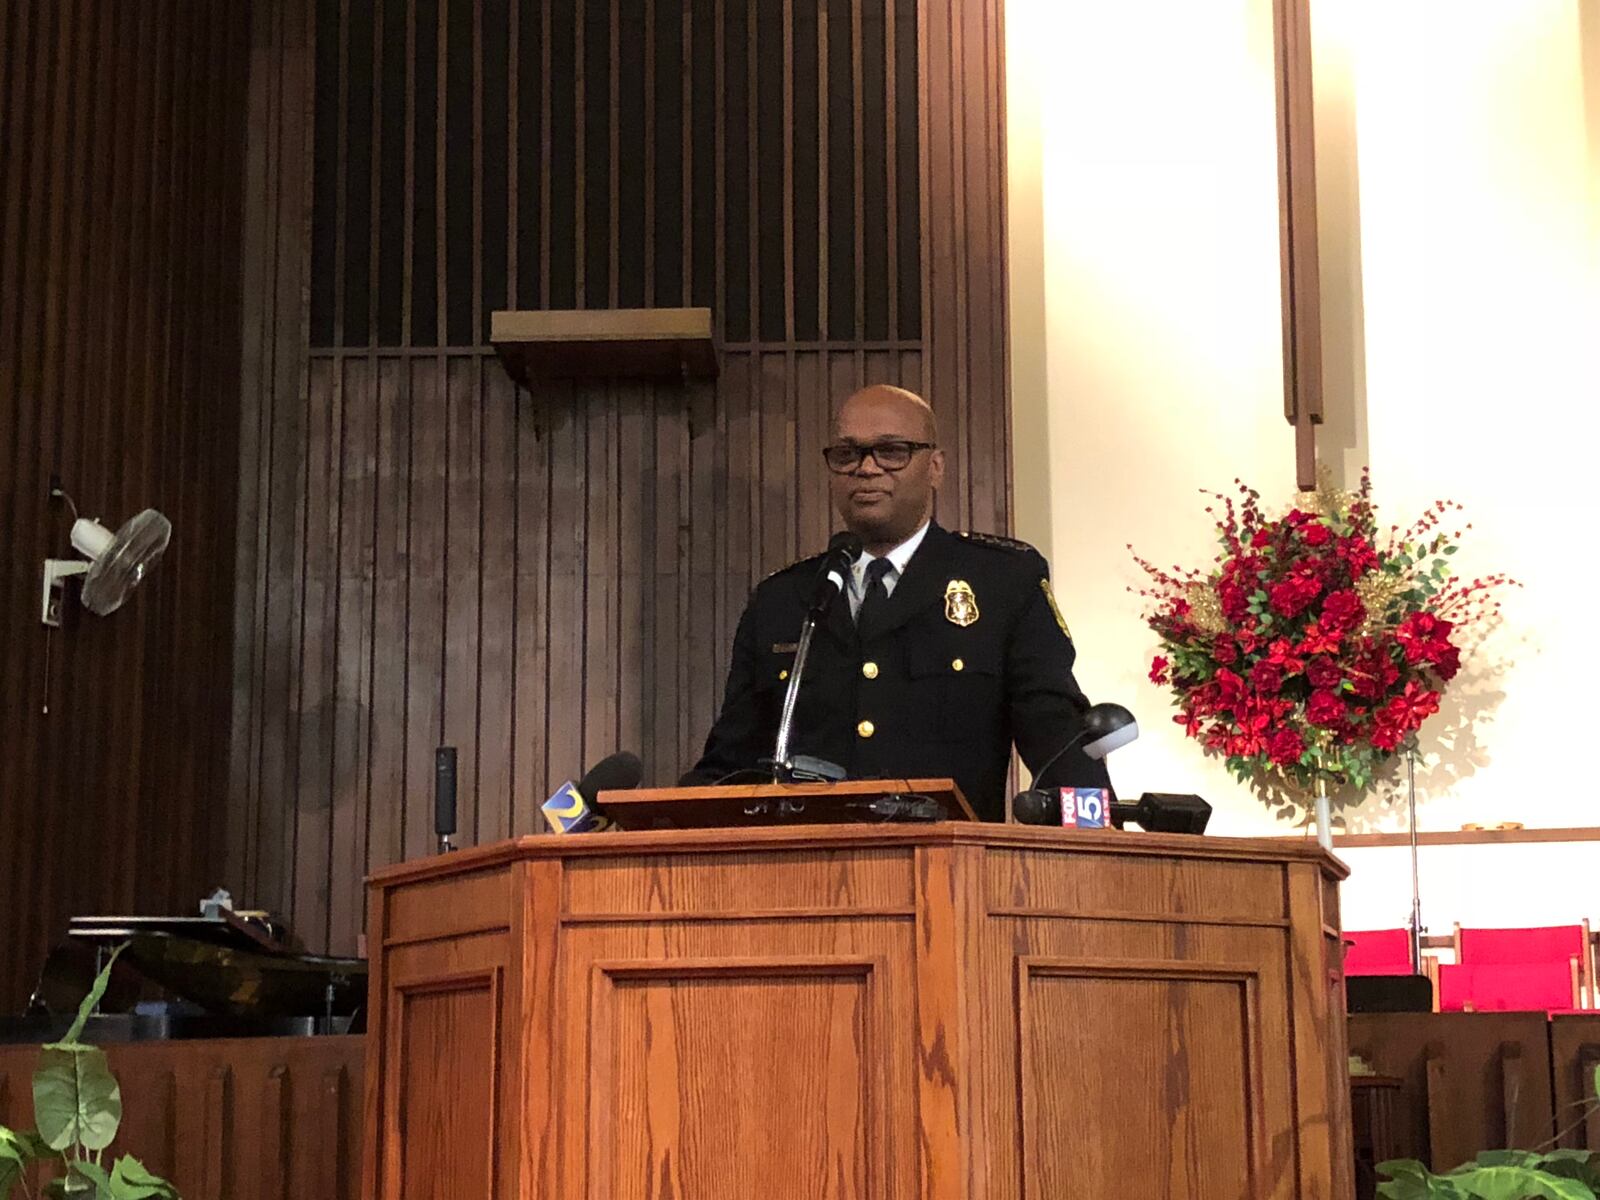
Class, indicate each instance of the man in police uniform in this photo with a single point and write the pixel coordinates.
(946, 649)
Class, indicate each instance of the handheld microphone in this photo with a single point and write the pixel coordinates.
(571, 809)
(444, 796)
(843, 550)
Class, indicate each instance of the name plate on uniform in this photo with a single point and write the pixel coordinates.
(1085, 808)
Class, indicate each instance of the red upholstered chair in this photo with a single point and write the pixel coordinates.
(1554, 962)
(1505, 987)
(1377, 952)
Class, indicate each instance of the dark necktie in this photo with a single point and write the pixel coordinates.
(876, 599)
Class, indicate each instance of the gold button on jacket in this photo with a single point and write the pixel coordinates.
(869, 669)
(865, 729)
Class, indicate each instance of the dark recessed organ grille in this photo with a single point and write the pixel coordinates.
(471, 155)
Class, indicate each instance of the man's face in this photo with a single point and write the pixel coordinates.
(885, 507)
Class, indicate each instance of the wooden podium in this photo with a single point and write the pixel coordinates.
(932, 1011)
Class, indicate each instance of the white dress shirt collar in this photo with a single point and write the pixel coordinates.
(898, 558)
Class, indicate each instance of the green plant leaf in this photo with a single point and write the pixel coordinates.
(96, 991)
(1410, 1180)
(1518, 1183)
(95, 1174)
(76, 1100)
(131, 1181)
(1509, 1158)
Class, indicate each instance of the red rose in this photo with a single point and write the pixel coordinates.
(1446, 663)
(1374, 673)
(1158, 669)
(1325, 708)
(1285, 746)
(1423, 637)
(1291, 596)
(1342, 611)
(1235, 602)
(1316, 535)
(1318, 641)
(1225, 652)
(1266, 677)
(1358, 552)
(1263, 537)
(1323, 673)
(1230, 687)
(1281, 652)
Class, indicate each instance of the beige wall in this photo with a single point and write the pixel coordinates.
(1459, 184)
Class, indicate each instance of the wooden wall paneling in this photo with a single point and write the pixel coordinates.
(497, 664)
(600, 555)
(354, 579)
(257, 1119)
(119, 211)
(462, 599)
(426, 515)
(386, 784)
(758, 154)
(636, 697)
(1471, 1081)
(1574, 1055)
(529, 744)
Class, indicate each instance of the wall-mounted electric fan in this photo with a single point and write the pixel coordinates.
(116, 562)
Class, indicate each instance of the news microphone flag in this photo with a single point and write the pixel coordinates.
(1085, 808)
(568, 812)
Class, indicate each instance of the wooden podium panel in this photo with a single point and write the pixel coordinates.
(941, 1011)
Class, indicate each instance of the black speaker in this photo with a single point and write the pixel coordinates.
(1388, 993)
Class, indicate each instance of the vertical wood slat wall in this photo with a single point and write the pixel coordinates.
(122, 130)
(430, 556)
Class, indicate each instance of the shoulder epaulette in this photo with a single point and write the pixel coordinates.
(799, 562)
(998, 542)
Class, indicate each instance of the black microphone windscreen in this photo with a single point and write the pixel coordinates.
(616, 772)
(1037, 806)
(846, 543)
(444, 791)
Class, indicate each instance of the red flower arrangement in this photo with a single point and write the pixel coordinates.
(1316, 645)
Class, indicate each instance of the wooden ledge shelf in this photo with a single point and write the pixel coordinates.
(1468, 837)
(605, 343)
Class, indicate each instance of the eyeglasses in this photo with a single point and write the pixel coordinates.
(844, 457)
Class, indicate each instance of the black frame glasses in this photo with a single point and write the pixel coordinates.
(844, 457)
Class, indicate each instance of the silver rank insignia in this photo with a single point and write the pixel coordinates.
(960, 605)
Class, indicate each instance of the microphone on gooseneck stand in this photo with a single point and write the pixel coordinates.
(444, 796)
(843, 550)
(572, 808)
(1106, 727)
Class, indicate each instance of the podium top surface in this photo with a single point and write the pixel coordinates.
(624, 843)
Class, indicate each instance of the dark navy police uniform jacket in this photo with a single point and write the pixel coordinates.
(969, 656)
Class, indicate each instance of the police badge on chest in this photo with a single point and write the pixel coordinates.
(960, 605)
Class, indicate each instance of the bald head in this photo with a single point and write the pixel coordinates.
(885, 398)
(885, 506)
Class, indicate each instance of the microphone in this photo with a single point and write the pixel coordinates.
(843, 550)
(571, 809)
(1106, 727)
(444, 796)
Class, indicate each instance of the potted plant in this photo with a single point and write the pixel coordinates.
(77, 1107)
